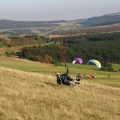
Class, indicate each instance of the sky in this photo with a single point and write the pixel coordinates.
(49, 10)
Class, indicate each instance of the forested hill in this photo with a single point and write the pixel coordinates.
(104, 47)
(25, 24)
(94, 21)
(102, 20)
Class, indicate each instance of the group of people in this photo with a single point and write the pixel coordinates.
(67, 80)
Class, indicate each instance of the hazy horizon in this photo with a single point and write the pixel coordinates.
(50, 10)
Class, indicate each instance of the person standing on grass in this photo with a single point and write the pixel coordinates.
(108, 76)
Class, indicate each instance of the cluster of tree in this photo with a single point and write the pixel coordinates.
(107, 67)
(97, 37)
(22, 41)
(36, 54)
(103, 47)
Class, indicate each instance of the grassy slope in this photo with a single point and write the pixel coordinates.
(100, 76)
(34, 96)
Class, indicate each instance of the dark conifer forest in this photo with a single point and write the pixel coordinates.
(104, 47)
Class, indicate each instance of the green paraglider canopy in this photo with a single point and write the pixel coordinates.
(96, 62)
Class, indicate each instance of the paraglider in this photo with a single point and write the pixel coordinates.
(66, 80)
(77, 59)
(96, 62)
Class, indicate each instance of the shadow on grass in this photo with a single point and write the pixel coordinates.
(58, 86)
(51, 84)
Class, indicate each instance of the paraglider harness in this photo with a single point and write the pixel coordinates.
(65, 79)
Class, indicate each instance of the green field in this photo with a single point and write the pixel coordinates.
(101, 77)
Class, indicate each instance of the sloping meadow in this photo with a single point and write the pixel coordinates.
(33, 96)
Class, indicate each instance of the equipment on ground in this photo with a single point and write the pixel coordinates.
(62, 79)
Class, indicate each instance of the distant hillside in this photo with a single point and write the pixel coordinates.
(103, 20)
(48, 27)
(5, 24)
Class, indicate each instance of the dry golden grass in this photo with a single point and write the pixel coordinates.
(32, 96)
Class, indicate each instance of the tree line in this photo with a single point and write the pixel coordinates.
(103, 47)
